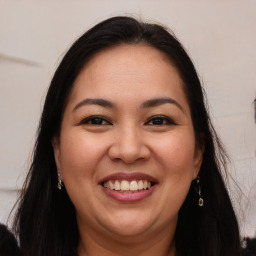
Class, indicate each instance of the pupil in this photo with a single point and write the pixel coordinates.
(96, 121)
(158, 121)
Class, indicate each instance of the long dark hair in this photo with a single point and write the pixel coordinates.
(45, 222)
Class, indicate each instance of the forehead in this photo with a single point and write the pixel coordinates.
(128, 70)
(128, 57)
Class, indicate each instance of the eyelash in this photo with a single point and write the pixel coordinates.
(89, 120)
(99, 120)
(163, 121)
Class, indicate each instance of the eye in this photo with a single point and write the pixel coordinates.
(160, 120)
(95, 120)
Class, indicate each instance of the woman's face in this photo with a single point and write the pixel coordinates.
(127, 152)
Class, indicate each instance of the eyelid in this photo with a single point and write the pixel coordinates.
(86, 120)
(169, 120)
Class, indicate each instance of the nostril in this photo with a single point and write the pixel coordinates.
(128, 152)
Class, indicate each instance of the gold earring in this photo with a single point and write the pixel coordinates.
(60, 184)
(198, 190)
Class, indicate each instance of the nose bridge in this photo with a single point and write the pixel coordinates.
(128, 144)
(129, 138)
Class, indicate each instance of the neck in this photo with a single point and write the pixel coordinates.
(93, 244)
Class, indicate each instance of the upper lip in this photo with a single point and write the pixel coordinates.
(128, 176)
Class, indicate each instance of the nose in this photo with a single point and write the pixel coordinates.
(129, 146)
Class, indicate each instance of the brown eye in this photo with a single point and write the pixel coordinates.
(160, 120)
(95, 120)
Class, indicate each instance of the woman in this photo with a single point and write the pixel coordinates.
(126, 159)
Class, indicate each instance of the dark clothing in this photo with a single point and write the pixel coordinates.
(8, 243)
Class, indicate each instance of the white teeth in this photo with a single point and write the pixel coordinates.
(125, 185)
(145, 184)
(116, 186)
(111, 185)
(133, 185)
(140, 184)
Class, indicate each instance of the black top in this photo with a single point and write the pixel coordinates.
(8, 243)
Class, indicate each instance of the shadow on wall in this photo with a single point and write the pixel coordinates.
(254, 110)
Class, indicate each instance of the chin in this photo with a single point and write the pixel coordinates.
(129, 223)
(130, 230)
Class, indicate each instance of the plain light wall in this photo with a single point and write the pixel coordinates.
(218, 35)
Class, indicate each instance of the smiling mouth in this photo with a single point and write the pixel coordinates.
(125, 186)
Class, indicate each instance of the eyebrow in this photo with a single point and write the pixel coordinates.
(147, 104)
(160, 101)
(100, 102)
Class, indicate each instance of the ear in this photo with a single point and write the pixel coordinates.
(198, 154)
(56, 150)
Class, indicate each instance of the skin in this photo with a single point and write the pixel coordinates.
(128, 138)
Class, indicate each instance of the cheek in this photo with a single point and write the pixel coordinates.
(80, 160)
(80, 155)
(177, 152)
(175, 155)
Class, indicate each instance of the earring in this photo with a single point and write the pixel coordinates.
(60, 184)
(198, 190)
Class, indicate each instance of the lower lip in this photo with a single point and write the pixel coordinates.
(129, 197)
